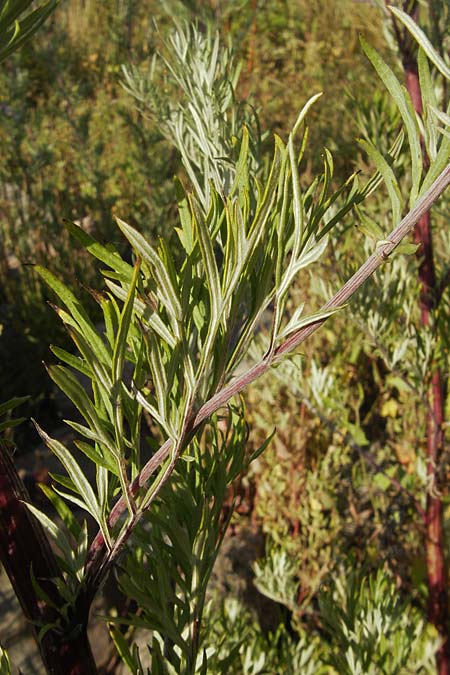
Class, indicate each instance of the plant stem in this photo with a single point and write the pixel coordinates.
(97, 556)
(436, 569)
(25, 551)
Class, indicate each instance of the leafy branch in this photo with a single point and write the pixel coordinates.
(220, 399)
(175, 336)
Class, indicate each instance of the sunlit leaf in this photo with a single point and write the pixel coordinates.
(75, 473)
(403, 101)
(422, 40)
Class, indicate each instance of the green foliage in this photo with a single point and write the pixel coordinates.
(17, 29)
(302, 504)
(189, 92)
(373, 629)
(188, 330)
(235, 637)
(182, 330)
(368, 392)
(70, 147)
(177, 322)
(388, 311)
(18, 23)
(7, 407)
(291, 51)
(175, 548)
(5, 665)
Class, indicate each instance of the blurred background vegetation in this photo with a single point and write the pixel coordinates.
(341, 484)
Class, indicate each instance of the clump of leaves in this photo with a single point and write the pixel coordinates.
(189, 92)
(373, 629)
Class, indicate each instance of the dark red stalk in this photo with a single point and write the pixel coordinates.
(436, 568)
(25, 549)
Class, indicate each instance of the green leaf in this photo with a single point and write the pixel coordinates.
(297, 203)
(10, 424)
(99, 374)
(12, 403)
(255, 454)
(121, 644)
(296, 325)
(403, 101)
(71, 386)
(368, 226)
(155, 414)
(75, 473)
(11, 11)
(55, 532)
(5, 664)
(407, 248)
(104, 486)
(385, 170)
(437, 166)
(153, 320)
(265, 203)
(40, 592)
(63, 510)
(124, 326)
(111, 314)
(422, 40)
(101, 436)
(65, 481)
(77, 501)
(186, 233)
(305, 111)
(241, 177)
(209, 262)
(71, 360)
(165, 287)
(429, 103)
(158, 376)
(357, 433)
(106, 461)
(15, 33)
(381, 481)
(442, 117)
(110, 258)
(86, 327)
